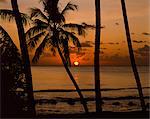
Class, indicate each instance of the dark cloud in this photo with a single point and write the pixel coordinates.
(135, 41)
(144, 51)
(87, 44)
(103, 48)
(101, 52)
(80, 54)
(146, 34)
(117, 23)
(115, 59)
(72, 51)
(111, 43)
(2, 0)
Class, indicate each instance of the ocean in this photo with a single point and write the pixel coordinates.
(53, 90)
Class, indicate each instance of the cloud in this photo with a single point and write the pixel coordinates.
(144, 51)
(78, 53)
(87, 44)
(146, 34)
(101, 52)
(111, 43)
(2, 0)
(135, 41)
(103, 48)
(117, 23)
(115, 59)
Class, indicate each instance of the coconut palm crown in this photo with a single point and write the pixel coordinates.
(51, 23)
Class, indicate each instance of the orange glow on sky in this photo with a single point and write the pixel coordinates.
(114, 50)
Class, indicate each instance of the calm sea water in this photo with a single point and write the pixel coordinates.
(48, 78)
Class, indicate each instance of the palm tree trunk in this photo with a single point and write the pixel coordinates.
(73, 80)
(132, 59)
(25, 58)
(97, 58)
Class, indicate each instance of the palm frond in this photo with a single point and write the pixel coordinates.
(4, 35)
(77, 27)
(59, 18)
(40, 49)
(9, 16)
(71, 36)
(88, 26)
(32, 42)
(36, 12)
(69, 7)
(52, 49)
(40, 22)
(7, 42)
(35, 30)
(50, 6)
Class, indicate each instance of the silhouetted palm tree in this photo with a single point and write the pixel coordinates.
(97, 57)
(11, 77)
(132, 59)
(50, 25)
(20, 19)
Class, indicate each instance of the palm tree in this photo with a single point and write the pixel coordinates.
(132, 58)
(12, 78)
(25, 57)
(10, 69)
(50, 25)
(97, 57)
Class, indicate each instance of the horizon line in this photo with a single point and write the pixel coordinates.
(88, 65)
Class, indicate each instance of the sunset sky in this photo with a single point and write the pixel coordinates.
(114, 50)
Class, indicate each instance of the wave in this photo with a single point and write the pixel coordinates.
(72, 90)
(61, 99)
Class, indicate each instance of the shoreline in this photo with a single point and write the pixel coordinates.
(73, 90)
(105, 114)
(61, 99)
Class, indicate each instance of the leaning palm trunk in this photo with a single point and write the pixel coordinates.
(25, 59)
(134, 68)
(73, 80)
(96, 58)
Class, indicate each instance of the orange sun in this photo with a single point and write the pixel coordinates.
(76, 63)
